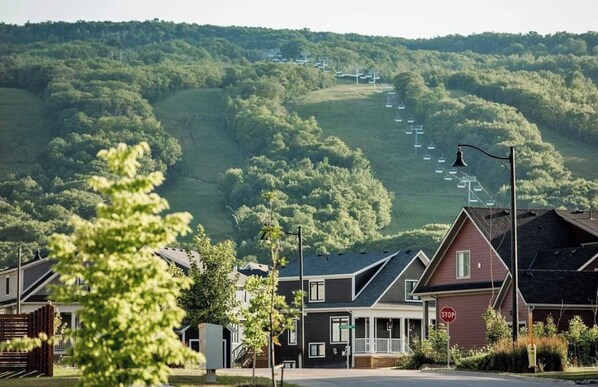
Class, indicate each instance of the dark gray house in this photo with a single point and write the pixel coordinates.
(362, 300)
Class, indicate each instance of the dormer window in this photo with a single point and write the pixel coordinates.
(316, 291)
(463, 264)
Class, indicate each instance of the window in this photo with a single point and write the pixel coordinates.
(7, 285)
(289, 364)
(316, 291)
(317, 350)
(338, 335)
(463, 264)
(293, 334)
(409, 286)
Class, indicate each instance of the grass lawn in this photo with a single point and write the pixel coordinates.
(22, 132)
(574, 373)
(195, 118)
(67, 376)
(357, 114)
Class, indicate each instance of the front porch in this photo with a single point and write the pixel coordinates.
(385, 335)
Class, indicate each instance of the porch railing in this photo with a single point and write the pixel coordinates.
(63, 345)
(363, 345)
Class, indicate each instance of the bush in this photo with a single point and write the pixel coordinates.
(476, 361)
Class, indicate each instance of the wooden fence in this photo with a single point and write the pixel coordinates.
(13, 326)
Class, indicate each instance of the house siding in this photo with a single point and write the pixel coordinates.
(317, 330)
(485, 265)
(338, 290)
(396, 293)
(363, 278)
(468, 329)
(507, 306)
(563, 316)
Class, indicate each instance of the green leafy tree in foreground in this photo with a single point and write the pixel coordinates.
(497, 328)
(127, 295)
(211, 297)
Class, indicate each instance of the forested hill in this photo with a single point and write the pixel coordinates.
(97, 84)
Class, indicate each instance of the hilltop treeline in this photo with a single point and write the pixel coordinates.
(98, 81)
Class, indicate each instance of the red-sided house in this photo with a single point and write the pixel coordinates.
(360, 299)
(557, 252)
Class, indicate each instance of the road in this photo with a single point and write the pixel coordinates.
(388, 377)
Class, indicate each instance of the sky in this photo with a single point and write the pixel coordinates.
(398, 18)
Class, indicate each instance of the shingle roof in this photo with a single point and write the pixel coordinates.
(376, 288)
(334, 264)
(587, 220)
(537, 230)
(563, 259)
(558, 287)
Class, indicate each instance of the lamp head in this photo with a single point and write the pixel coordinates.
(459, 160)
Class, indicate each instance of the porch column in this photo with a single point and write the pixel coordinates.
(424, 334)
(74, 321)
(371, 327)
(403, 335)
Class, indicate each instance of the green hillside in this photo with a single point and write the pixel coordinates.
(357, 114)
(195, 118)
(580, 158)
(22, 132)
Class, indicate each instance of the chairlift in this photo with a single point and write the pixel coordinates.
(391, 93)
(461, 184)
(401, 106)
(438, 169)
(431, 146)
(408, 131)
(490, 203)
(417, 145)
(399, 119)
(388, 105)
(452, 171)
(477, 188)
(448, 177)
(410, 120)
(370, 82)
(473, 200)
(441, 159)
(427, 157)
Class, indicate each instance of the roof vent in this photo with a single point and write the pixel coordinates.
(385, 251)
(38, 256)
(556, 253)
(540, 227)
(319, 255)
(532, 213)
(341, 253)
(407, 251)
(573, 251)
(506, 212)
(577, 212)
(364, 252)
(529, 274)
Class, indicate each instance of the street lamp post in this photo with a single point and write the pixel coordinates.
(301, 329)
(514, 273)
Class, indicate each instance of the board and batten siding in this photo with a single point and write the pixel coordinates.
(468, 330)
(485, 265)
(396, 293)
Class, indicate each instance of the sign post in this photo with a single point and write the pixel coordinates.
(348, 346)
(448, 315)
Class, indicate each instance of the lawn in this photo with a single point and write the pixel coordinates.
(67, 376)
(195, 118)
(357, 114)
(576, 374)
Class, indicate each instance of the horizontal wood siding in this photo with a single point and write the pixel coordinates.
(485, 265)
(286, 289)
(396, 293)
(317, 330)
(338, 290)
(468, 330)
(507, 306)
(362, 278)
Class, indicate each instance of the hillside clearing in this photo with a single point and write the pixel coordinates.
(195, 118)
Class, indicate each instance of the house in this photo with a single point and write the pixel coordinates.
(360, 299)
(557, 259)
(37, 277)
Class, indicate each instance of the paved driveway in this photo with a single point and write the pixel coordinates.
(387, 377)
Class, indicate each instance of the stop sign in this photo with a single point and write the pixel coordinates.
(448, 314)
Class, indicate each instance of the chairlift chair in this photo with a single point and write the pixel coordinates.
(438, 169)
(401, 106)
(441, 159)
(388, 105)
(473, 200)
(477, 188)
(417, 145)
(410, 120)
(461, 184)
(490, 203)
(452, 171)
(431, 146)
(399, 119)
(427, 157)
(448, 177)
(408, 131)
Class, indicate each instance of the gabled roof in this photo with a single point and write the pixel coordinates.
(380, 283)
(537, 230)
(335, 264)
(559, 287)
(586, 220)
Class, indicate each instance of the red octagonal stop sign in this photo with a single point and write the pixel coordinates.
(448, 314)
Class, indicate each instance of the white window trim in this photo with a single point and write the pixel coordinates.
(323, 281)
(289, 342)
(408, 295)
(330, 328)
(309, 350)
(457, 264)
